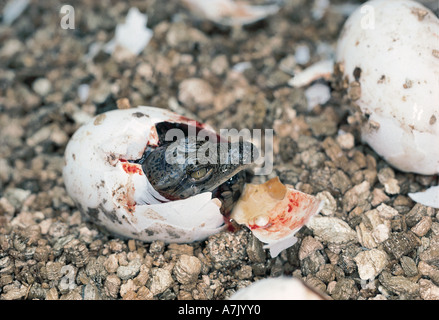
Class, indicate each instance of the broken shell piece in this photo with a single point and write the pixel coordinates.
(274, 212)
(429, 197)
(319, 70)
(133, 35)
(229, 12)
(13, 9)
(317, 94)
(281, 288)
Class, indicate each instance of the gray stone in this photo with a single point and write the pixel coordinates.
(423, 226)
(331, 229)
(370, 263)
(308, 246)
(129, 271)
(91, 292)
(161, 279)
(399, 285)
(427, 290)
(187, 269)
(255, 250)
(400, 244)
(386, 176)
(112, 286)
(357, 195)
(345, 289)
(431, 254)
(42, 86)
(409, 266)
(226, 249)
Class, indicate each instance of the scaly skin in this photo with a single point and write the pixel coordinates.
(194, 175)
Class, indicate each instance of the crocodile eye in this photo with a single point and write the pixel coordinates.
(200, 173)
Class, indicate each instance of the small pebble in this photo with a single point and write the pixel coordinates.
(308, 246)
(195, 92)
(370, 263)
(399, 285)
(326, 273)
(91, 292)
(400, 244)
(387, 212)
(346, 140)
(329, 203)
(255, 250)
(143, 276)
(422, 227)
(344, 289)
(42, 86)
(409, 266)
(387, 177)
(111, 264)
(161, 279)
(187, 269)
(129, 271)
(128, 290)
(373, 230)
(112, 286)
(302, 54)
(427, 290)
(332, 230)
(431, 254)
(317, 94)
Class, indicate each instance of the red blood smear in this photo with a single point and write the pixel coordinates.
(153, 138)
(131, 207)
(283, 219)
(230, 225)
(298, 223)
(254, 226)
(295, 198)
(280, 220)
(131, 168)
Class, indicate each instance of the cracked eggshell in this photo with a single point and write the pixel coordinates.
(391, 49)
(274, 212)
(115, 194)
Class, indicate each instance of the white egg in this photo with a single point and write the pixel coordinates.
(390, 48)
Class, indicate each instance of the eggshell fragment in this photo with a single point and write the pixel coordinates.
(281, 288)
(319, 70)
(429, 197)
(275, 212)
(133, 35)
(389, 55)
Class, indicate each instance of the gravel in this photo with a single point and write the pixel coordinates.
(371, 241)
